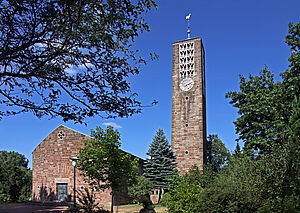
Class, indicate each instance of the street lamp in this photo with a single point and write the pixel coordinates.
(74, 161)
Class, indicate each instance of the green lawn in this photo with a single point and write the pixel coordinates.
(134, 208)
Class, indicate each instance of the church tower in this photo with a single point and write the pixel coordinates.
(188, 104)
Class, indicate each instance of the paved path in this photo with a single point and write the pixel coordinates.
(24, 208)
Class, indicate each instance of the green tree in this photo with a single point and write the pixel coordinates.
(15, 177)
(160, 163)
(269, 125)
(105, 165)
(264, 105)
(184, 192)
(141, 189)
(281, 170)
(258, 123)
(291, 79)
(269, 183)
(70, 58)
(237, 152)
(235, 189)
(217, 154)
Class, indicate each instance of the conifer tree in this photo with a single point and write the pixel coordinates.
(161, 162)
(237, 152)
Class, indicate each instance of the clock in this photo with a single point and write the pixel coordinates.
(186, 84)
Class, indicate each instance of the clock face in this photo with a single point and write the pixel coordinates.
(186, 84)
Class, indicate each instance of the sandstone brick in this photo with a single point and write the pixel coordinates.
(189, 108)
(52, 165)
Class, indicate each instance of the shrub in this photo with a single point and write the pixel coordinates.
(86, 203)
(141, 189)
(184, 193)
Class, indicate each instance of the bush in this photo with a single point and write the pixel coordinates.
(184, 193)
(253, 185)
(148, 205)
(234, 189)
(86, 203)
(4, 198)
(141, 189)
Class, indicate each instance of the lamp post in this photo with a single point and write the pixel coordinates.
(74, 161)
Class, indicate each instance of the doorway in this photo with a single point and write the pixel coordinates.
(62, 191)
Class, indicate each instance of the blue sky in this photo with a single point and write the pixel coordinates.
(239, 38)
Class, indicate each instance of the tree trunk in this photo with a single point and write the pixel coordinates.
(112, 202)
(159, 195)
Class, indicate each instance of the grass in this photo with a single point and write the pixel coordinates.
(134, 208)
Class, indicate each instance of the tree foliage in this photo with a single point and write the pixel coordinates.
(160, 163)
(237, 151)
(281, 166)
(70, 58)
(269, 183)
(184, 192)
(264, 105)
(269, 125)
(86, 203)
(259, 122)
(235, 189)
(217, 154)
(15, 177)
(266, 184)
(104, 164)
(291, 79)
(141, 189)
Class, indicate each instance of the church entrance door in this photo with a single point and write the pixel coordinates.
(62, 191)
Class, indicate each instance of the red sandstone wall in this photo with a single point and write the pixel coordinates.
(188, 112)
(51, 164)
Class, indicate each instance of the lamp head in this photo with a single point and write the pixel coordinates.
(74, 160)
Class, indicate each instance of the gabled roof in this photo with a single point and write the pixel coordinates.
(63, 126)
(76, 132)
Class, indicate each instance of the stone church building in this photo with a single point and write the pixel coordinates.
(53, 173)
(52, 167)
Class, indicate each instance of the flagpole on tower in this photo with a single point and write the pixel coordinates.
(188, 18)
